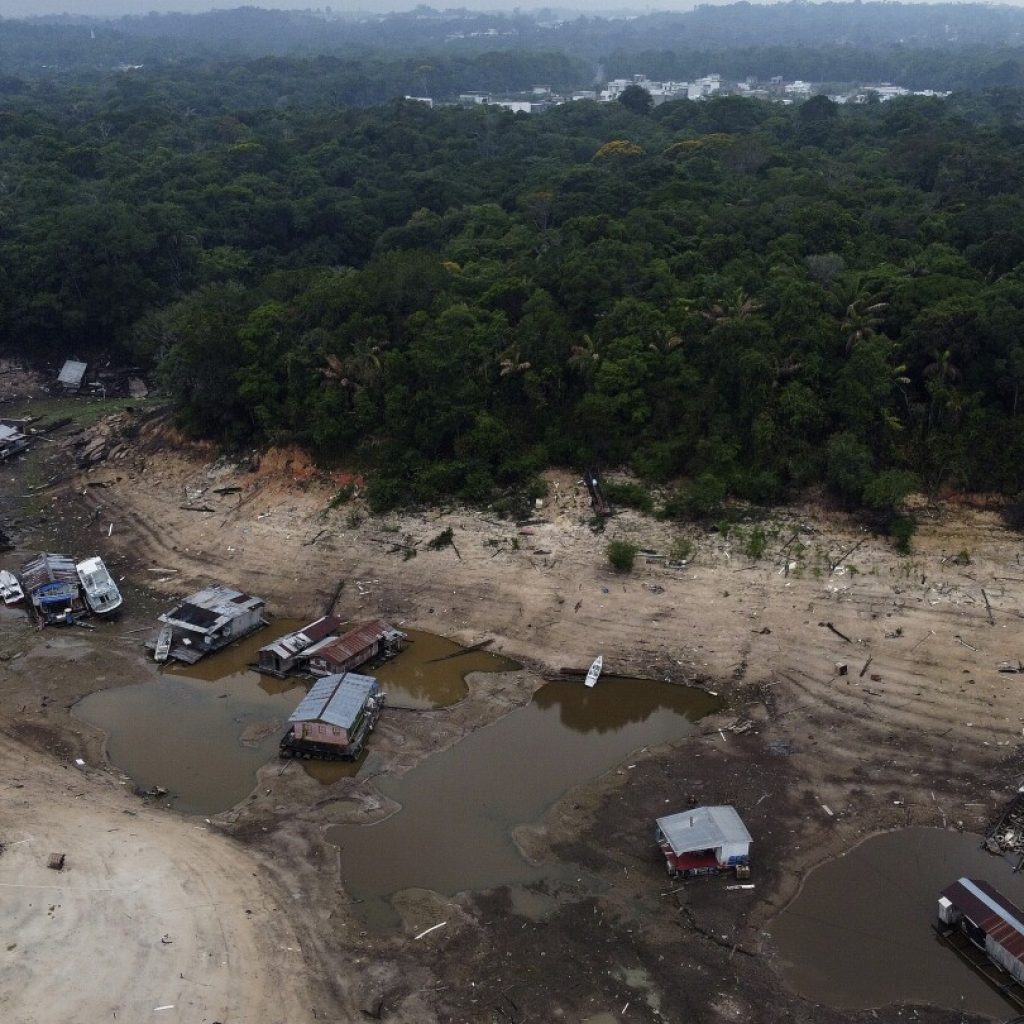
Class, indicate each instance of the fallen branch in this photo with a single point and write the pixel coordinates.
(988, 608)
(196, 508)
(842, 636)
(865, 668)
(846, 554)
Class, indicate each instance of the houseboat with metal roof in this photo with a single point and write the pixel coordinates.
(209, 620)
(53, 588)
(334, 720)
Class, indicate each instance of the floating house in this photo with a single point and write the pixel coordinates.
(335, 718)
(53, 588)
(704, 841)
(71, 375)
(354, 648)
(282, 656)
(973, 910)
(209, 620)
(12, 441)
(101, 593)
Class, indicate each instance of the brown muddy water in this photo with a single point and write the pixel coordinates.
(424, 675)
(202, 731)
(458, 808)
(859, 934)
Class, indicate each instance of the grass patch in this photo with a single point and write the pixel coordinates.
(622, 555)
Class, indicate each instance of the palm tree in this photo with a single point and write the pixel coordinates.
(334, 372)
(511, 363)
(861, 320)
(585, 356)
(941, 368)
(738, 307)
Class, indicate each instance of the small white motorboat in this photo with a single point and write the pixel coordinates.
(595, 671)
(101, 593)
(163, 645)
(10, 588)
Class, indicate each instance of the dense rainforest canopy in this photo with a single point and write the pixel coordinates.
(749, 297)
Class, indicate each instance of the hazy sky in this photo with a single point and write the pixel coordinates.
(102, 8)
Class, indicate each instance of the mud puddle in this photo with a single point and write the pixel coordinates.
(199, 731)
(458, 808)
(202, 731)
(860, 934)
(425, 675)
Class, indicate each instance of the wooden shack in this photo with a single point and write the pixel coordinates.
(704, 840)
(282, 656)
(211, 619)
(352, 649)
(53, 588)
(335, 718)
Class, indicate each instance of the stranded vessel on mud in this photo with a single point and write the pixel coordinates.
(207, 621)
(101, 593)
(10, 588)
(334, 720)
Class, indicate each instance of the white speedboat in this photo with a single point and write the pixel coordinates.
(10, 588)
(595, 671)
(101, 593)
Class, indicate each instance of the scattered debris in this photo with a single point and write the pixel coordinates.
(831, 628)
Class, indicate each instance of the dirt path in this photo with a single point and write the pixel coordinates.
(153, 917)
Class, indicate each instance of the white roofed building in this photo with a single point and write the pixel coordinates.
(703, 840)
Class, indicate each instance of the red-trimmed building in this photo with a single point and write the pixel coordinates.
(703, 841)
(989, 920)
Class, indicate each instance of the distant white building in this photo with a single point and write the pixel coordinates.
(701, 88)
(516, 106)
(421, 99)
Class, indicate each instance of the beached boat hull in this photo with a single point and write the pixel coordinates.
(101, 593)
(10, 588)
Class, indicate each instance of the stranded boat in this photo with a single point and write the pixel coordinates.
(101, 593)
(10, 588)
(334, 720)
(162, 648)
(595, 671)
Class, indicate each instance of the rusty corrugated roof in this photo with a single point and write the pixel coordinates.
(355, 641)
(991, 911)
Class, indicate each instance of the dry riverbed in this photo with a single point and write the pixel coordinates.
(920, 730)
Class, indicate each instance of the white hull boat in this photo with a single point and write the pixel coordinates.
(101, 593)
(162, 649)
(10, 588)
(595, 671)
